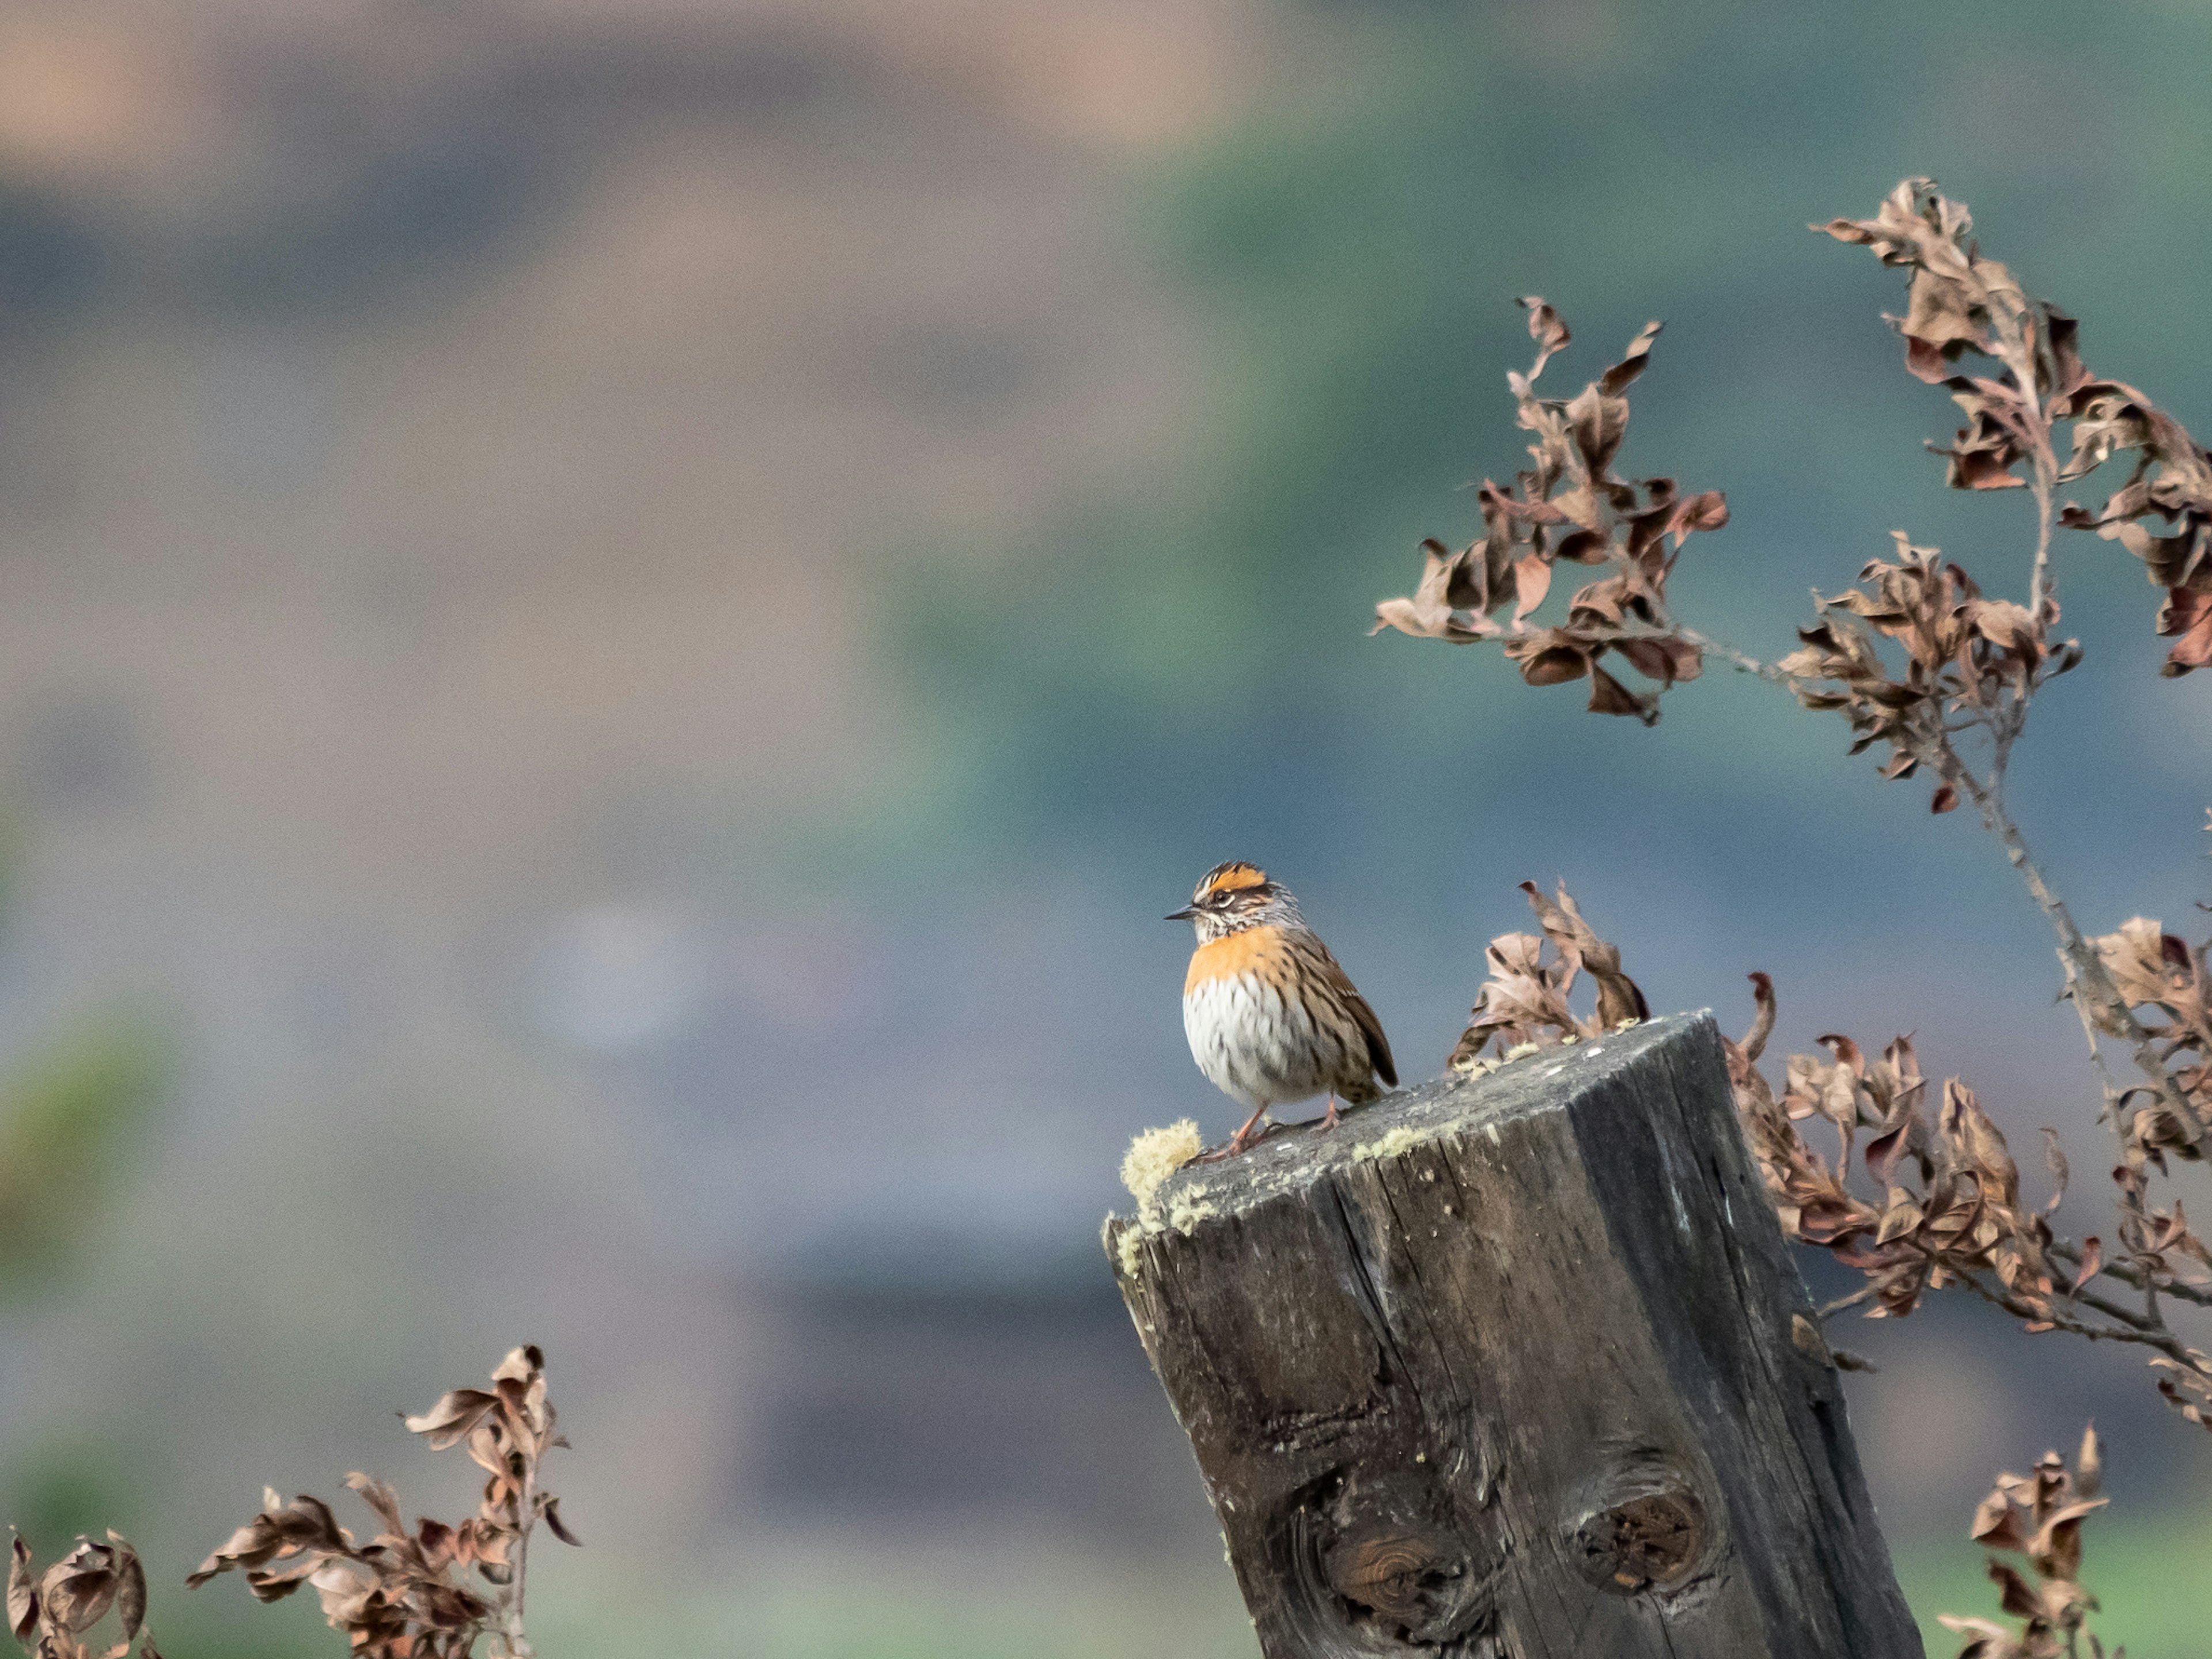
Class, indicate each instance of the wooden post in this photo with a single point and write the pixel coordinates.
(1516, 1366)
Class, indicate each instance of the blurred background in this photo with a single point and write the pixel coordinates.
(618, 617)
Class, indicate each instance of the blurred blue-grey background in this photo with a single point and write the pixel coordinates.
(621, 616)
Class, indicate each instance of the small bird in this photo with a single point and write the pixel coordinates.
(1270, 1016)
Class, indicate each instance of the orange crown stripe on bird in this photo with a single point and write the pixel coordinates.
(1229, 877)
(1256, 962)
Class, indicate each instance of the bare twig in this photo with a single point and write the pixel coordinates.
(2158, 1338)
(2096, 1000)
(1864, 1293)
(2128, 1273)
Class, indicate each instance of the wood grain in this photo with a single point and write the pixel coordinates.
(1504, 1367)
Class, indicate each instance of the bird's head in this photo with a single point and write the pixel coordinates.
(1232, 896)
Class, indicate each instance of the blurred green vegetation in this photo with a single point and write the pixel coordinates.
(72, 1483)
(74, 1103)
(75, 1107)
(2148, 1573)
(72, 1111)
(2144, 1570)
(850, 1605)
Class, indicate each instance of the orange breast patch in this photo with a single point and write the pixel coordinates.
(1248, 951)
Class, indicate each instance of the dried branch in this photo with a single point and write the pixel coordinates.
(1522, 1006)
(2129, 1273)
(1570, 505)
(2038, 1517)
(1951, 1212)
(1960, 304)
(1950, 1209)
(430, 1593)
(1918, 660)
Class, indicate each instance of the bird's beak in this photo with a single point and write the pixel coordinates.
(1183, 915)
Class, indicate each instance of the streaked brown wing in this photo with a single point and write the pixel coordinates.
(1378, 1046)
(1340, 982)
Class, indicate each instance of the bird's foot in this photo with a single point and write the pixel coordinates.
(1330, 1119)
(1243, 1141)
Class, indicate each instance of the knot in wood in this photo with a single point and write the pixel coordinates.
(1407, 1578)
(1651, 1541)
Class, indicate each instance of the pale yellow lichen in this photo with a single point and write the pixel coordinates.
(1156, 1154)
(1393, 1142)
(1520, 1050)
(1127, 1247)
(1188, 1208)
(1624, 1024)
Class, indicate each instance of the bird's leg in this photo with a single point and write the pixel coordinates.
(1244, 1137)
(1330, 1119)
(1238, 1142)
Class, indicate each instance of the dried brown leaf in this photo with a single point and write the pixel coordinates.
(78, 1590)
(1545, 327)
(22, 1590)
(1569, 504)
(2093, 1263)
(1524, 999)
(454, 1419)
(552, 1513)
(1609, 696)
(129, 1588)
(1762, 1025)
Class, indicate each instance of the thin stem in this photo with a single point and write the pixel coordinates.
(2126, 1316)
(1742, 659)
(2129, 1275)
(2015, 325)
(1831, 1309)
(513, 1641)
(2044, 464)
(1750, 664)
(2040, 586)
(2089, 985)
(2160, 1339)
(2096, 1000)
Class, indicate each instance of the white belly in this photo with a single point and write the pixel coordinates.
(1253, 1047)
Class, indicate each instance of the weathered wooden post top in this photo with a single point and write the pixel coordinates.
(1517, 1365)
